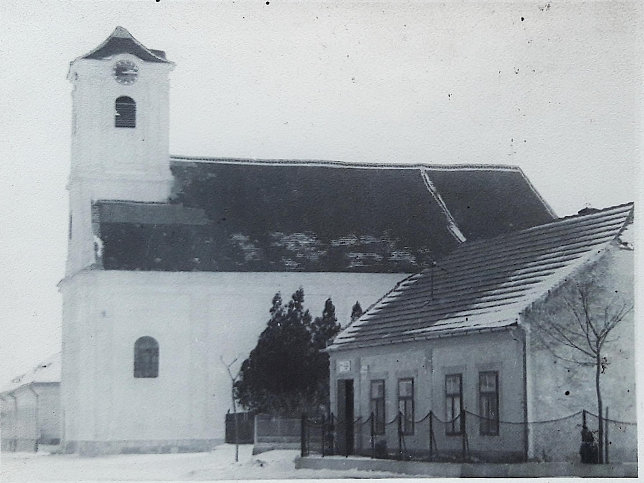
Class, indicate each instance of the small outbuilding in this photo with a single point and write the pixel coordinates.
(30, 412)
(468, 340)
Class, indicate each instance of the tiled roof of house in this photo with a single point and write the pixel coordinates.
(254, 215)
(47, 371)
(485, 284)
(122, 42)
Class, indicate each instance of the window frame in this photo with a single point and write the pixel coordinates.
(146, 358)
(453, 428)
(125, 117)
(379, 416)
(489, 426)
(405, 399)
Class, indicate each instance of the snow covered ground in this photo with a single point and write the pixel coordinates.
(216, 465)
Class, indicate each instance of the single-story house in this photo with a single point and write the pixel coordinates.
(473, 340)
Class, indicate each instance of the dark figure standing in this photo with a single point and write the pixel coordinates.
(588, 450)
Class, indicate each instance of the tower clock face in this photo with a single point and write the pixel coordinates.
(125, 72)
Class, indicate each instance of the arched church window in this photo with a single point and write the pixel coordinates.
(125, 115)
(146, 357)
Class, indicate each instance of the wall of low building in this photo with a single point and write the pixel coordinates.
(7, 422)
(49, 413)
(30, 416)
(428, 363)
(198, 319)
(558, 388)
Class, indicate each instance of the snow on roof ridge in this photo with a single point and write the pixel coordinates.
(451, 222)
(346, 164)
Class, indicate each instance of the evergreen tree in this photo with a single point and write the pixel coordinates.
(281, 373)
(356, 311)
(326, 327)
(323, 330)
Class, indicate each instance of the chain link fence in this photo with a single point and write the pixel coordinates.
(470, 437)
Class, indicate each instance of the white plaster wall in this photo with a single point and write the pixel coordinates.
(100, 150)
(21, 413)
(428, 362)
(558, 388)
(49, 415)
(197, 318)
(7, 420)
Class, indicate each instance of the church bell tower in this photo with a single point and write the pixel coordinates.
(120, 134)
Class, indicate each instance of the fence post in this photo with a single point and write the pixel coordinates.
(302, 436)
(463, 434)
(372, 433)
(583, 418)
(606, 437)
(332, 434)
(323, 441)
(345, 435)
(308, 437)
(399, 435)
(431, 436)
(255, 429)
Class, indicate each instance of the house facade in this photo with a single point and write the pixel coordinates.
(30, 413)
(465, 340)
(173, 260)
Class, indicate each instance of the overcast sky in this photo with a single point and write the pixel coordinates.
(553, 88)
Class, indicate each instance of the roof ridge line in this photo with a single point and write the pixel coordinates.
(338, 163)
(451, 222)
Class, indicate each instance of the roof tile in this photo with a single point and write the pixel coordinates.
(486, 283)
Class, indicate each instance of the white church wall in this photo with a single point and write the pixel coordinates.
(197, 319)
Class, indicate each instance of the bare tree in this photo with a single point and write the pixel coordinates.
(233, 379)
(581, 337)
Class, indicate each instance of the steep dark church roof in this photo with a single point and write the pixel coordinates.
(122, 42)
(254, 215)
(485, 284)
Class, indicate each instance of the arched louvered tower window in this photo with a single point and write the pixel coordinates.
(146, 357)
(125, 115)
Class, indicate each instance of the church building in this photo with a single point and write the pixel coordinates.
(173, 260)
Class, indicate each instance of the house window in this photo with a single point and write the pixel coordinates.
(406, 404)
(146, 357)
(489, 402)
(378, 406)
(125, 115)
(453, 402)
